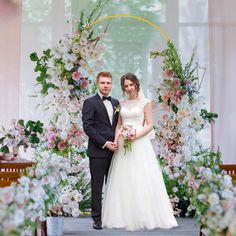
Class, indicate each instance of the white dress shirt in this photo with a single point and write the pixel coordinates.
(108, 106)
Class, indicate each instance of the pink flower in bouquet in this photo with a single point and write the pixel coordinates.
(76, 75)
(128, 134)
(62, 145)
(170, 124)
(165, 97)
(180, 93)
(168, 73)
(188, 82)
(176, 82)
(175, 100)
(165, 117)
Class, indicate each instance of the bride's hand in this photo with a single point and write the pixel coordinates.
(115, 143)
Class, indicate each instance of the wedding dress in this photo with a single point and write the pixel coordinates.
(135, 196)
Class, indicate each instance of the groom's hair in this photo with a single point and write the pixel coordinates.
(104, 74)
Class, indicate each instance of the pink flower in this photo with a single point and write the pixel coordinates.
(176, 82)
(165, 97)
(62, 145)
(168, 73)
(84, 83)
(170, 124)
(51, 137)
(165, 117)
(50, 129)
(188, 82)
(51, 144)
(76, 75)
(180, 93)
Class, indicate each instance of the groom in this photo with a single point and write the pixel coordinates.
(99, 123)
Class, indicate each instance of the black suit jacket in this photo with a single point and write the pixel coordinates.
(97, 126)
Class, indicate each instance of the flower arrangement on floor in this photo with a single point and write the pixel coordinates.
(191, 173)
(24, 202)
(213, 195)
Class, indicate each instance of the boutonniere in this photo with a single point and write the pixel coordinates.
(116, 109)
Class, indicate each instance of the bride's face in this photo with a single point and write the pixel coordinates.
(130, 88)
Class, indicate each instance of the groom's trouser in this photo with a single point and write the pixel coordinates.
(99, 167)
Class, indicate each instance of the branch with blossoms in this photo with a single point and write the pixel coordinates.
(65, 69)
(183, 116)
(63, 143)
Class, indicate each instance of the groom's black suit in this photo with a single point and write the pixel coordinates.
(97, 126)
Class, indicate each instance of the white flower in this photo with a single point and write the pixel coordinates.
(227, 194)
(213, 199)
(66, 57)
(75, 212)
(73, 57)
(232, 225)
(175, 189)
(19, 217)
(227, 181)
(69, 66)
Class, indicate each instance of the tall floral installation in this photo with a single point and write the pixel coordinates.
(64, 73)
(191, 173)
(59, 182)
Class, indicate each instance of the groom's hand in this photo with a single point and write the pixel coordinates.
(111, 146)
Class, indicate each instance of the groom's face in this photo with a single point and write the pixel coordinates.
(104, 85)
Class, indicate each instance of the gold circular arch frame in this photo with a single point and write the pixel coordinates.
(130, 16)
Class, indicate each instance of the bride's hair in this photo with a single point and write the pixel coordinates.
(133, 78)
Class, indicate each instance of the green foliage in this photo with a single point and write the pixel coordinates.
(85, 204)
(4, 149)
(208, 158)
(91, 17)
(41, 67)
(171, 60)
(208, 116)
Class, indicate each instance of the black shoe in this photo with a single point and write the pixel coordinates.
(97, 225)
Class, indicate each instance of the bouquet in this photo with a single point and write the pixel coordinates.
(128, 133)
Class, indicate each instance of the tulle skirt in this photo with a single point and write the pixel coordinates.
(135, 196)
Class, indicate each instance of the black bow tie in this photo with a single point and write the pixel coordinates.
(106, 98)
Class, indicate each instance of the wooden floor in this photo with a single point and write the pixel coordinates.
(83, 226)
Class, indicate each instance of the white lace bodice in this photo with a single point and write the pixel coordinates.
(132, 111)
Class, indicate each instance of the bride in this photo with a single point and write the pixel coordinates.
(135, 196)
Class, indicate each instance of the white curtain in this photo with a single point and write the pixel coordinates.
(222, 29)
(43, 24)
(10, 39)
